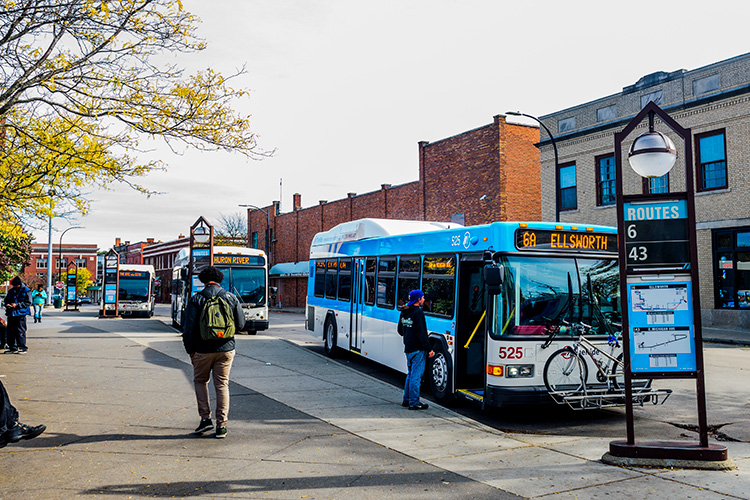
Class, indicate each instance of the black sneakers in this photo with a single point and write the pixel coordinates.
(19, 432)
(419, 406)
(205, 425)
(221, 432)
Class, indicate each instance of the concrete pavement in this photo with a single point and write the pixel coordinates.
(117, 399)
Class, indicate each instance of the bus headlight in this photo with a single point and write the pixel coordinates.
(519, 371)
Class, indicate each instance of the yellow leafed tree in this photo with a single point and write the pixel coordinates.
(84, 82)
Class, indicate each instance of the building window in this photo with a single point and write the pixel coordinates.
(41, 263)
(566, 124)
(81, 262)
(655, 97)
(568, 195)
(606, 114)
(710, 151)
(732, 268)
(707, 84)
(62, 263)
(654, 185)
(605, 180)
(254, 240)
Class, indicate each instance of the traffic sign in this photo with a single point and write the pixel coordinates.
(59, 285)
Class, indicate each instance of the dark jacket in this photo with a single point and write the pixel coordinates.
(412, 326)
(22, 298)
(191, 336)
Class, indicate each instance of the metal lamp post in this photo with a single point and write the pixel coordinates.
(59, 249)
(268, 249)
(554, 147)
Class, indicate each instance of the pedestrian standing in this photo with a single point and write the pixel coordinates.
(17, 307)
(413, 327)
(38, 300)
(212, 352)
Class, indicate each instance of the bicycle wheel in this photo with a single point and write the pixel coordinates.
(565, 372)
(618, 378)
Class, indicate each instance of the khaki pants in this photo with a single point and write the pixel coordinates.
(203, 364)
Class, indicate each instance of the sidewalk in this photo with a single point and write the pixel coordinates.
(117, 399)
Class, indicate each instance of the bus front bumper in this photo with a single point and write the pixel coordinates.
(256, 324)
(515, 396)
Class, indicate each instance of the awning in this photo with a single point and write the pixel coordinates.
(289, 270)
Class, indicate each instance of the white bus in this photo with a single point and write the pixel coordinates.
(135, 295)
(491, 342)
(245, 275)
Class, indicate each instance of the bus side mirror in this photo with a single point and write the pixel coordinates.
(493, 278)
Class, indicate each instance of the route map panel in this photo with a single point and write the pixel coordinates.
(661, 326)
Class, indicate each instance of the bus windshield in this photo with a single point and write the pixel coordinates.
(134, 288)
(247, 283)
(539, 291)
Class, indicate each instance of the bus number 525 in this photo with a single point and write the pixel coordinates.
(511, 353)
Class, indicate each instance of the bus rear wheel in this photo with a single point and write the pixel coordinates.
(329, 337)
(441, 379)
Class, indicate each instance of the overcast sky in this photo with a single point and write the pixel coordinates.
(343, 90)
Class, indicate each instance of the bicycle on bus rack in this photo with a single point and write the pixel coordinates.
(566, 373)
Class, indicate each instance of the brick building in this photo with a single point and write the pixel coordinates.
(713, 101)
(487, 174)
(162, 256)
(84, 255)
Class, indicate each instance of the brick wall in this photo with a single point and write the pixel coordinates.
(498, 161)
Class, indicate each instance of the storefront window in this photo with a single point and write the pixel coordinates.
(732, 268)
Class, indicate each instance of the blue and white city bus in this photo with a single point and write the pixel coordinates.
(245, 275)
(489, 341)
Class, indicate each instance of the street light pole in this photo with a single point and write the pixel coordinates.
(59, 248)
(554, 147)
(268, 249)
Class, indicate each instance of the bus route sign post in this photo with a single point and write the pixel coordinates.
(110, 284)
(71, 288)
(201, 252)
(659, 286)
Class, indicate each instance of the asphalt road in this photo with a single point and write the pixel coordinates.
(728, 400)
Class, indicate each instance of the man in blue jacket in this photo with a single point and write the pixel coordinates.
(17, 307)
(413, 327)
(215, 355)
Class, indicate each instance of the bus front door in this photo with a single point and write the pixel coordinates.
(470, 331)
(355, 328)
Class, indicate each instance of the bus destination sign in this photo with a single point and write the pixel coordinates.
(237, 260)
(565, 241)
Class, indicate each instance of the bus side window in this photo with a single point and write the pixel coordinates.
(332, 277)
(370, 267)
(408, 278)
(345, 279)
(320, 278)
(439, 285)
(386, 282)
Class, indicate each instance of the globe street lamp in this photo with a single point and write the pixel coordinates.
(554, 148)
(652, 154)
(268, 249)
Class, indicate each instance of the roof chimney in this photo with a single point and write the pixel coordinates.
(297, 202)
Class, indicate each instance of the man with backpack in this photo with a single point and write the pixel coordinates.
(212, 317)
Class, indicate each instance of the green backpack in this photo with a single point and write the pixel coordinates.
(216, 319)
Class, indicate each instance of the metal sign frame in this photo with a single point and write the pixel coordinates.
(658, 273)
(110, 285)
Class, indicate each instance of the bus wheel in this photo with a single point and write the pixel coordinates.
(329, 337)
(440, 376)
